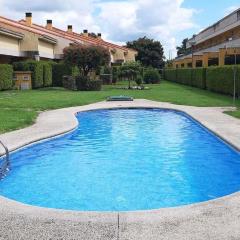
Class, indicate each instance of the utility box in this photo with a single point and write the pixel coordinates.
(23, 80)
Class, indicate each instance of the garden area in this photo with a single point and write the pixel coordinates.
(84, 77)
(20, 108)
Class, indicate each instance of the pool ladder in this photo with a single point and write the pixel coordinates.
(4, 162)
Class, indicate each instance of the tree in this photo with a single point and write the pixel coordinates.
(183, 48)
(130, 71)
(150, 52)
(86, 58)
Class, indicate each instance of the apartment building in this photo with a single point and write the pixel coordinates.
(25, 40)
(216, 45)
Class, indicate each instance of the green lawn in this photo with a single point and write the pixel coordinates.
(20, 108)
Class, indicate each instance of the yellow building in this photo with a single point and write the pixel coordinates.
(216, 45)
(26, 40)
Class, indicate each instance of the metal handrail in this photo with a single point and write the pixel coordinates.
(6, 164)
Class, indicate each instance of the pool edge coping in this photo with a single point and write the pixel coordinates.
(108, 216)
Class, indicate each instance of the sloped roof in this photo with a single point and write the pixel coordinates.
(21, 26)
(75, 36)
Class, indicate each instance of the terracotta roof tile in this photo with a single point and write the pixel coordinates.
(76, 36)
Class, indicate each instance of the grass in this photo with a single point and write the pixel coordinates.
(20, 108)
(235, 114)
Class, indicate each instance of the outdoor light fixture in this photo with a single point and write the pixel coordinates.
(234, 71)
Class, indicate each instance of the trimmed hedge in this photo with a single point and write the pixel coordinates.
(170, 75)
(215, 79)
(37, 69)
(151, 75)
(6, 76)
(47, 75)
(94, 85)
(184, 76)
(58, 71)
(199, 78)
(69, 82)
(220, 79)
(83, 83)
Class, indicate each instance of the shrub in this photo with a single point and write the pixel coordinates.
(106, 78)
(199, 78)
(94, 85)
(139, 80)
(170, 75)
(69, 82)
(58, 71)
(6, 76)
(220, 79)
(152, 75)
(106, 75)
(184, 76)
(115, 74)
(83, 83)
(47, 74)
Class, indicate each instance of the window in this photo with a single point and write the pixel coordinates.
(213, 62)
(189, 65)
(230, 59)
(199, 63)
(25, 77)
(182, 65)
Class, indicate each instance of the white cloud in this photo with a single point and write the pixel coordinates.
(118, 20)
(231, 9)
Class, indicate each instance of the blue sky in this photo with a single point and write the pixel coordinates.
(169, 21)
(208, 12)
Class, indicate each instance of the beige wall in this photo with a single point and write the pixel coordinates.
(130, 56)
(9, 46)
(117, 55)
(29, 41)
(123, 55)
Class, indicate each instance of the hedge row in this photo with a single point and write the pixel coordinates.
(6, 76)
(41, 72)
(220, 79)
(216, 79)
(59, 70)
(193, 77)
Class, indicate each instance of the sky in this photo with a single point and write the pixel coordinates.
(119, 21)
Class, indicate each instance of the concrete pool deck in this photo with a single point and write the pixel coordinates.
(216, 219)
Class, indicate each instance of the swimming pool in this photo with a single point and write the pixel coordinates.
(125, 159)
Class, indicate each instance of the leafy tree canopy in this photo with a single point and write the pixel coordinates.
(183, 48)
(150, 52)
(86, 58)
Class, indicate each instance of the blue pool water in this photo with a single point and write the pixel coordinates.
(129, 159)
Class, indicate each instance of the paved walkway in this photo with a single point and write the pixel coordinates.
(217, 219)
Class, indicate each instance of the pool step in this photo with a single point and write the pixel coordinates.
(4, 162)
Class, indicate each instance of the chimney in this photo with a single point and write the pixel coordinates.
(70, 29)
(49, 24)
(85, 33)
(29, 18)
(99, 36)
